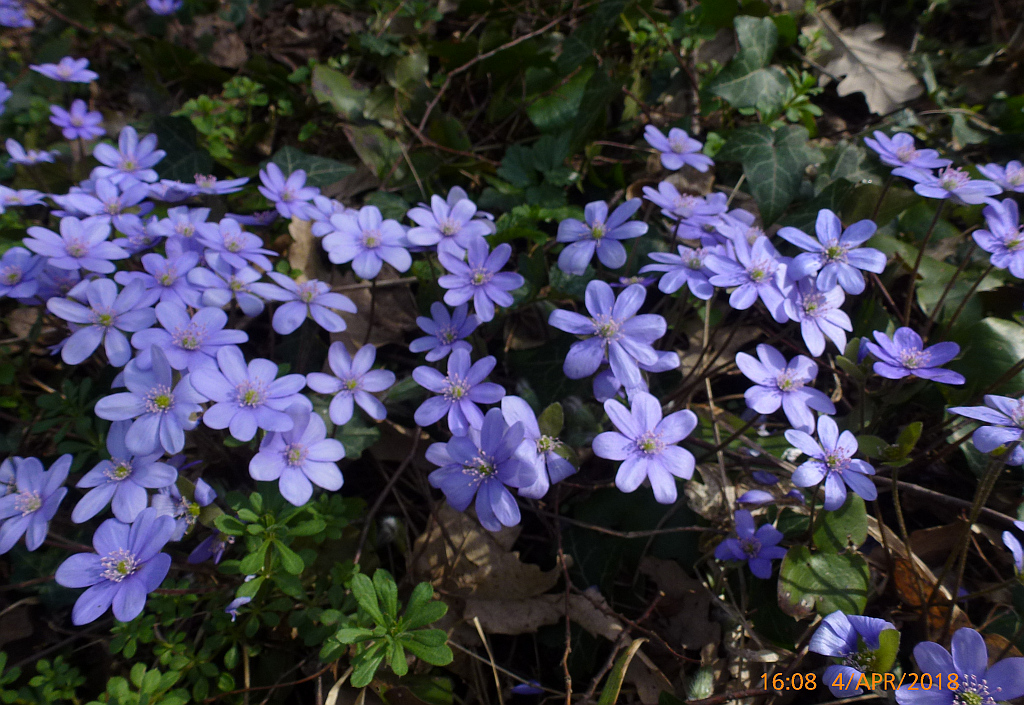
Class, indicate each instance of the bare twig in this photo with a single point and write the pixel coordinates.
(384, 493)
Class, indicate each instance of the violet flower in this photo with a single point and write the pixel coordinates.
(133, 158)
(759, 548)
(367, 240)
(19, 155)
(444, 332)
(905, 355)
(82, 244)
(950, 182)
(678, 149)
(232, 607)
(247, 397)
(819, 315)
(78, 122)
(483, 464)
(126, 567)
(5, 95)
(683, 206)
(237, 247)
(754, 272)
(459, 392)
(1006, 416)
(684, 269)
(309, 299)
(290, 196)
(165, 7)
(854, 642)
(600, 233)
(212, 186)
(537, 450)
(899, 151)
(186, 227)
(12, 14)
(1009, 178)
(836, 256)
(18, 271)
(27, 508)
(479, 278)
(300, 457)
(212, 549)
(1016, 549)
(185, 512)
(786, 384)
(607, 386)
(166, 279)
(449, 226)
(108, 200)
(67, 70)
(20, 197)
(1003, 237)
(121, 481)
(189, 341)
(222, 282)
(107, 317)
(353, 382)
(646, 444)
(831, 460)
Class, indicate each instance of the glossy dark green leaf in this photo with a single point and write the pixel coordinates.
(748, 79)
(822, 582)
(846, 527)
(320, 171)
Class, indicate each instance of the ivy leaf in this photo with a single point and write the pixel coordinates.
(320, 171)
(184, 159)
(357, 435)
(748, 80)
(334, 87)
(560, 108)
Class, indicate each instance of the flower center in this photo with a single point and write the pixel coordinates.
(307, 293)
(75, 247)
(1015, 176)
(597, 230)
(1018, 414)
(836, 462)
(546, 444)
(250, 394)
(606, 327)
(650, 443)
(447, 336)
(371, 239)
(287, 195)
(203, 181)
(480, 466)
(1014, 242)
(128, 164)
(295, 454)
(11, 275)
(103, 317)
(951, 179)
(27, 502)
(974, 691)
(481, 276)
(684, 205)
(190, 337)
(750, 546)
(168, 277)
(237, 285)
(118, 565)
(761, 270)
(77, 121)
(786, 383)
(232, 243)
(159, 400)
(913, 359)
(185, 229)
(858, 659)
(676, 146)
(351, 384)
(455, 388)
(835, 252)
(813, 305)
(906, 154)
(121, 470)
(450, 227)
(753, 232)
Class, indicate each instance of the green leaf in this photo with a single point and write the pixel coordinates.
(551, 420)
(422, 609)
(177, 136)
(363, 673)
(250, 588)
(748, 80)
(847, 526)
(825, 582)
(229, 525)
(377, 150)
(254, 561)
(366, 596)
(885, 655)
(773, 161)
(357, 435)
(872, 446)
(909, 436)
(334, 87)
(987, 350)
(290, 560)
(308, 528)
(396, 658)
(433, 653)
(320, 171)
(387, 591)
(560, 108)
(610, 691)
(348, 635)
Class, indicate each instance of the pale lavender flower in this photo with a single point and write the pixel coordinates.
(459, 392)
(212, 186)
(106, 317)
(731, 227)
(18, 271)
(600, 233)
(20, 197)
(109, 200)
(189, 341)
(759, 548)
(28, 507)
(162, 411)
(67, 70)
(449, 226)
(320, 212)
(5, 95)
(678, 149)
(299, 458)
(479, 278)
(165, 279)
(367, 240)
(313, 299)
(19, 155)
(236, 247)
(54, 281)
(1009, 178)
(444, 332)
(905, 356)
(353, 382)
(77, 123)
(899, 151)
(755, 272)
(831, 461)
(259, 219)
(186, 227)
(786, 384)
(950, 182)
(607, 386)
(247, 397)
(483, 464)
(126, 567)
(684, 269)
(1013, 543)
(1006, 416)
(166, 7)
(683, 206)
(836, 256)
(853, 641)
(7, 474)
(1003, 237)
(537, 450)
(121, 481)
(646, 444)
(12, 14)
(290, 195)
(133, 157)
(819, 315)
(222, 282)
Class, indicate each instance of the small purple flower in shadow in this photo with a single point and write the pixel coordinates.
(537, 450)
(786, 384)
(169, 501)
(133, 158)
(211, 549)
(977, 682)
(18, 271)
(189, 342)
(82, 244)
(126, 567)
(121, 481)
(754, 272)
(353, 382)
(1010, 177)
(950, 182)
(67, 70)
(232, 608)
(853, 641)
(444, 332)
(819, 315)
(483, 464)
(78, 122)
(479, 278)
(836, 256)
(459, 392)
(832, 461)
(33, 500)
(300, 457)
(899, 151)
(678, 149)
(600, 233)
(1003, 238)
(905, 355)
(5, 94)
(367, 240)
(289, 195)
(759, 548)
(1006, 416)
(646, 444)
(684, 269)
(1013, 543)
(451, 227)
(309, 299)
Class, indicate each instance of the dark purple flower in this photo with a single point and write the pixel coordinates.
(212, 549)
(162, 411)
(899, 151)
(166, 7)
(685, 269)
(28, 506)
(300, 457)
(82, 244)
(832, 461)
(616, 332)
(950, 182)
(1003, 238)
(313, 299)
(905, 355)
(537, 449)
(1010, 177)
(289, 195)
(67, 70)
(448, 226)
(236, 246)
(19, 155)
(353, 382)
(12, 14)
(188, 341)
(786, 384)
(126, 567)
(531, 688)
(222, 282)
(7, 474)
(836, 256)
(133, 158)
(1006, 416)
(121, 481)
(600, 233)
(444, 332)
(755, 272)
(459, 392)
(479, 278)
(646, 444)
(483, 464)
(759, 548)
(976, 682)
(79, 122)
(367, 241)
(678, 149)
(259, 219)
(18, 271)
(853, 641)
(101, 317)
(819, 315)
(247, 397)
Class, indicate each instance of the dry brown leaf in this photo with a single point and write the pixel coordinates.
(686, 605)
(648, 679)
(713, 500)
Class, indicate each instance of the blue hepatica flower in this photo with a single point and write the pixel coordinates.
(759, 548)
(67, 70)
(444, 332)
(684, 269)
(126, 566)
(976, 682)
(185, 512)
(30, 502)
(449, 225)
(354, 382)
(905, 355)
(950, 182)
(1010, 177)
(836, 256)
(458, 393)
(855, 644)
(209, 185)
(165, 279)
(537, 450)
(289, 195)
(600, 233)
(309, 299)
(222, 282)
(232, 608)
(78, 122)
(5, 94)
(831, 461)
(646, 444)
(81, 244)
(133, 158)
(185, 226)
(615, 330)
(678, 149)
(166, 7)
(18, 271)
(899, 151)
(1003, 237)
(1013, 543)
(1005, 419)
(483, 464)
(367, 240)
(28, 157)
(818, 314)
(479, 278)
(786, 384)
(236, 246)
(755, 272)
